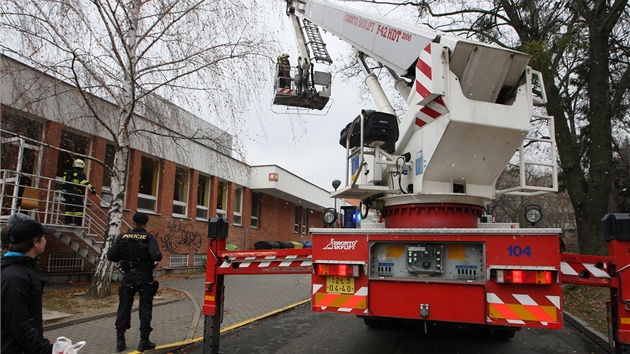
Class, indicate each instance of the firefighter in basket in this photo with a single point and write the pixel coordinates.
(284, 71)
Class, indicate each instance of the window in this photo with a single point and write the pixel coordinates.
(147, 193)
(21, 125)
(180, 192)
(178, 260)
(106, 193)
(304, 220)
(255, 209)
(199, 260)
(11, 147)
(238, 206)
(222, 195)
(203, 197)
(77, 144)
(296, 228)
(64, 262)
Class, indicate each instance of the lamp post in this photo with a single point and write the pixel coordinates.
(335, 184)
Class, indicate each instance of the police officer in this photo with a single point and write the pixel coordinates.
(138, 253)
(74, 183)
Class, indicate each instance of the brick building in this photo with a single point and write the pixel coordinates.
(46, 124)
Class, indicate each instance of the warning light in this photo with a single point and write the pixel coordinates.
(351, 217)
(340, 270)
(521, 276)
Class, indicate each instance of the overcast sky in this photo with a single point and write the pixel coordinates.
(305, 144)
(308, 145)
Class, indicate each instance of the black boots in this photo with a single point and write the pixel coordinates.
(120, 341)
(145, 343)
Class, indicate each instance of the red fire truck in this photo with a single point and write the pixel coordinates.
(428, 174)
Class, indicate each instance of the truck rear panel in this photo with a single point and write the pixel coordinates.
(507, 277)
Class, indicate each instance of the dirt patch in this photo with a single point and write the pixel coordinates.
(73, 299)
(588, 303)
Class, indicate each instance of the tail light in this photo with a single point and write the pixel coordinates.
(523, 276)
(340, 270)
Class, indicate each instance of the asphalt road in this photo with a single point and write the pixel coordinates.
(301, 331)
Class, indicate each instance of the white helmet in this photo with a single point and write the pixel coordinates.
(78, 163)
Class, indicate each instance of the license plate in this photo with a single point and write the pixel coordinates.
(341, 285)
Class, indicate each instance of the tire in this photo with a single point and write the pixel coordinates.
(495, 331)
(502, 333)
(374, 322)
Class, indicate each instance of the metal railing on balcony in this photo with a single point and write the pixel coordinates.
(42, 199)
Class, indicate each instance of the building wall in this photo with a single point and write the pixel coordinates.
(22, 91)
(177, 235)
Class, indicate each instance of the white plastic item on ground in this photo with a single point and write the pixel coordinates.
(64, 345)
(61, 345)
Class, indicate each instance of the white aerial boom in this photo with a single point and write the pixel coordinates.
(469, 110)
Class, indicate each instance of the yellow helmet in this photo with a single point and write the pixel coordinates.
(78, 163)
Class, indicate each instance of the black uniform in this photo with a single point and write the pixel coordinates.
(284, 71)
(74, 183)
(22, 323)
(137, 251)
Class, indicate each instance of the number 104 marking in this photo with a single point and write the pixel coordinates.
(517, 251)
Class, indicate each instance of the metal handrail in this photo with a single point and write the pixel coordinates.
(44, 201)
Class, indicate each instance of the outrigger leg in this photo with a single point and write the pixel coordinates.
(214, 286)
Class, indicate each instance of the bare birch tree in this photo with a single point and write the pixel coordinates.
(207, 56)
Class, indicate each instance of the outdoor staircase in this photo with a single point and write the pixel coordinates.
(85, 241)
(88, 246)
(81, 242)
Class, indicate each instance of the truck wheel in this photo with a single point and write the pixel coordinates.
(496, 332)
(374, 322)
(502, 333)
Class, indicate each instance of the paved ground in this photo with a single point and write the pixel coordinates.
(177, 323)
(247, 297)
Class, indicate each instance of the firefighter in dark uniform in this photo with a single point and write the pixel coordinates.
(74, 183)
(138, 253)
(284, 71)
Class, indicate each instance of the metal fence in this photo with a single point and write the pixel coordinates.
(178, 260)
(64, 263)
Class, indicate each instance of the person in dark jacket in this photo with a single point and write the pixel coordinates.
(74, 183)
(22, 289)
(138, 253)
(5, 230)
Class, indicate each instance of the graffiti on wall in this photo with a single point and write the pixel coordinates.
(179, 235)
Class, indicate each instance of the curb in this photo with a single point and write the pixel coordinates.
(168, 348)
(588, 331)
(97, 317)
(111, 314)
(196, 317)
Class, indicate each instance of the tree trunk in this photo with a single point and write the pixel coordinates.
(103, 274)
(588, 183)
(590, 213)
